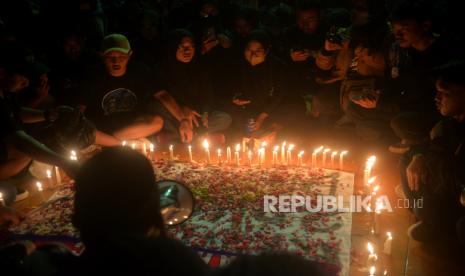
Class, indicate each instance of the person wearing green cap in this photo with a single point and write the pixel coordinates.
(116, 95)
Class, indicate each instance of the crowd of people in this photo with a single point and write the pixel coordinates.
(96, 72)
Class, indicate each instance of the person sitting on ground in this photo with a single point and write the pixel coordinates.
(186, 80)
(117, 213)
(116, 95)
(17, 147)
(413, 85)
(435, 173)
(259, 87)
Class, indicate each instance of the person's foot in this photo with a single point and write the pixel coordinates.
(399, 148)
(422, 232)
(21, 194)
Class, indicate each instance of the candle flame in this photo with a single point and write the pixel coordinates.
(375, 189)
(371, 180)
(372, 270)
(291, 147)
(238, 147)
(264, 144)
(206, 145)
(334, 153)
(49, 173)
(326, 150)
(133, 145)
(385, 272)
(317, 150)
(389, 235)
(276, 149)
(284, 144)
(123, 143)
(370, 248)
(249, 153)
(219, 151)
(171, 147)
(301, 153)
(39, 186)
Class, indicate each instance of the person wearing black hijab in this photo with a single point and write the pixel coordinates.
(187, 82)
(259, 86)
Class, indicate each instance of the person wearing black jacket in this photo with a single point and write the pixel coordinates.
(435, 172)
(186, 81)
(259, 85)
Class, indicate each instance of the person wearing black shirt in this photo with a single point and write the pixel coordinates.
(434, 172)
(187, 81)
(259, 85)
(116, 96)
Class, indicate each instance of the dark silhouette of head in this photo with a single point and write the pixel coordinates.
(116, 197)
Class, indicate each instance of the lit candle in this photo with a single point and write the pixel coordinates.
(289, 154)
(324, 157)
(283, 153)
(315, 155)
(228, 155)
(236, 154)
(206, 146)
(49, 178)
(333, 155)
(249, 156)
(275, 155)
(263, 153)
(171, 152)
(372, 270)
(299, 157)
(378, 207)
(375, 190)
(219, 156)
(388, 244)
(341, 159)
(133, 146)
(190, 153)
(261, 156)
(72, 155)
(368, 168)
(40, 189)
(2, 201)
(372, 257)
(152, 151)
(123, 143)
(57, 176)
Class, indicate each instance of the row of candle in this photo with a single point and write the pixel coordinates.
(373, 257)
(286, 155)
